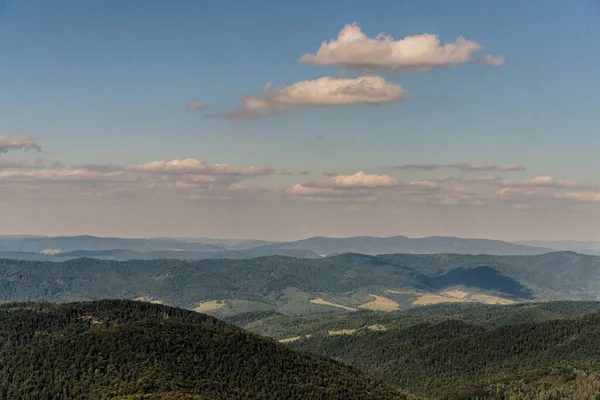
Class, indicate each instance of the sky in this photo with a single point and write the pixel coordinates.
(281, 120)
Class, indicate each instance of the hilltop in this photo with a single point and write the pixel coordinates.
(134, 350)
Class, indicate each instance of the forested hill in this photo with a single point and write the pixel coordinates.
(133, 350)
(186, 283)
(457, 360)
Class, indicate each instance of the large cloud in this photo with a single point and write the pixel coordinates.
(355, 51)
(18, 143)
(322, 92)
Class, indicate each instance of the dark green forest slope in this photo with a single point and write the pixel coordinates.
(279, 326)
(133, 350)
(454, 359)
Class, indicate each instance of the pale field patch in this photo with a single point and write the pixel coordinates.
(209, 305)
(342, 332)
(148, 299)
(377, 328)
(289, 340)
(459, 294)
(380, 303)
(428, 299)
(400, 291)
(322, 302)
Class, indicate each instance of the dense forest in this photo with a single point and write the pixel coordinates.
(455, 359)
(280, 326)
(128, 350)
(186, 283)
(132, 350)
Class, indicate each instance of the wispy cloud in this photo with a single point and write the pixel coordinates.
(32, 163)
(8, 143)
(196, 105)
(463, 166)
(547, 182)
(493, 61)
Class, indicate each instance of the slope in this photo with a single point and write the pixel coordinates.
(126, 350)
(557, 359)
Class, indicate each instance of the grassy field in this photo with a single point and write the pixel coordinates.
(380, 303)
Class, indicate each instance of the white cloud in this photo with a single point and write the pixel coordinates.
(429, 185)
(319, 93)
(363, 187)
(355, 51)
(301, 190)
(197, 105)
(585, 197)
(195, 166)
(493, 61)
(18, 143)
(61, 175)
(548, 182)
(183, 178)
(362, 180)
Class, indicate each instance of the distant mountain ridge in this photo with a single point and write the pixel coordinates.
(402, 244)
(67, 247)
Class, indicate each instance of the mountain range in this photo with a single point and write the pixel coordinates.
(70, 247)
(292, 285)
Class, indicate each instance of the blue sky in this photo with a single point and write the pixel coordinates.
(107, 83)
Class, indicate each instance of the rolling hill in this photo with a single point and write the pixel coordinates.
(456, 359)
(302, 286)
(132, 350)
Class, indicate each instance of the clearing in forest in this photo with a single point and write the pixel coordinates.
(377, 328)
(209, 305)
(428, 299)
(342, 332)
(288, 340)
(459, 294)
(148, 299)
(322, 302)
(380, 303)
